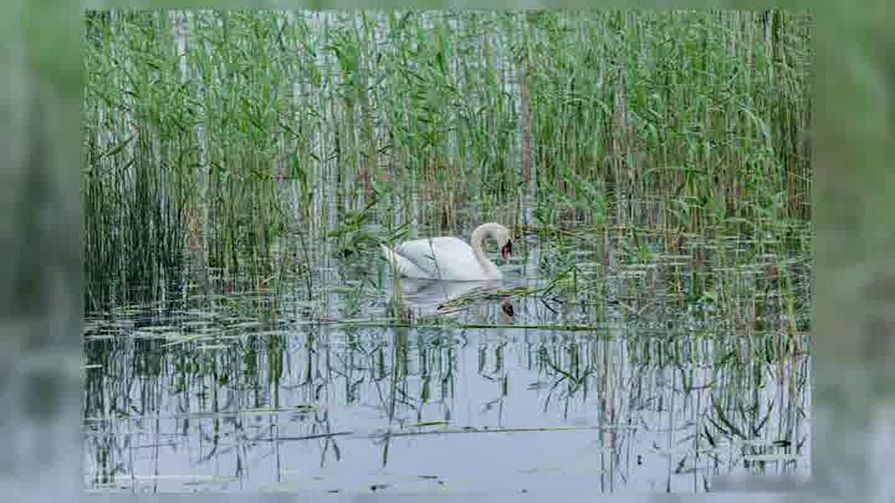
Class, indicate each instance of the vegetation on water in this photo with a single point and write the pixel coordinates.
(241, 168)
(244, 373)
(239, 140)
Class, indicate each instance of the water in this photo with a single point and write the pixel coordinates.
(584, 370)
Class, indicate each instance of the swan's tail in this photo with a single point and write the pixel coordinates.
(389, 254)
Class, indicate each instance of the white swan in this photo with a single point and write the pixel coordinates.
(449, 258)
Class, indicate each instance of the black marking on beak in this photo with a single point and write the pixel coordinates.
(506, 251)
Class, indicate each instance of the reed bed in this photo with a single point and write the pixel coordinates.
(240, 141)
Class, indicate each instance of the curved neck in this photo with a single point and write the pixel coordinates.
(477, 241)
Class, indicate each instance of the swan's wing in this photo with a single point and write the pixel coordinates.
(403, 266)
(441, 258)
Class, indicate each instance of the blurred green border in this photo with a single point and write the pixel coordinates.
(854, 321)
(435, 4)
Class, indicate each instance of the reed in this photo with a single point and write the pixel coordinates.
(237, 140)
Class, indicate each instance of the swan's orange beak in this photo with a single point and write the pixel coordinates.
(506, 251)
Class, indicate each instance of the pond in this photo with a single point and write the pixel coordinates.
(614, 379)
(243, 331)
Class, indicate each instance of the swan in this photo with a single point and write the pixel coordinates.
(449, 258)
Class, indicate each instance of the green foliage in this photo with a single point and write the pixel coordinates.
(240, 140)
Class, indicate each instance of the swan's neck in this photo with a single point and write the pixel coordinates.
(477, 241)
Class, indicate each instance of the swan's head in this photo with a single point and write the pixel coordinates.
(506, 250)
(496, 232)
(502, 236)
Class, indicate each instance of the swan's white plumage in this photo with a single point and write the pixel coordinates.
(445, 258)
(404, 266)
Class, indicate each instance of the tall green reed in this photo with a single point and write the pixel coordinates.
(235, 141)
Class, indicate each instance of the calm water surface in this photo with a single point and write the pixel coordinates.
(615, 376)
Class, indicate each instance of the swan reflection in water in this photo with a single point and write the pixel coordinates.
(426, 297)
